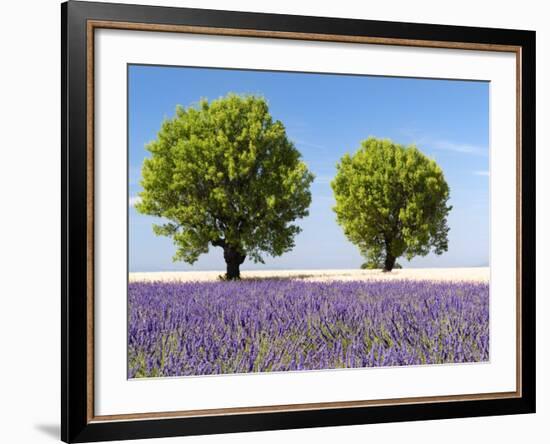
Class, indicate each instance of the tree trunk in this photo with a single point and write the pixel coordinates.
(389, 262)
(233, 259)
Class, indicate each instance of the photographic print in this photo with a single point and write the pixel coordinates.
(293, 221)
(275, 221)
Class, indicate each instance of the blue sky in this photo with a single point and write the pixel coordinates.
(327, 115)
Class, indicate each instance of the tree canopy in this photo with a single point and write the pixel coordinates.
(391, 201)
(224, 173)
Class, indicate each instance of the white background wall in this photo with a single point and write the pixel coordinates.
(30, 208)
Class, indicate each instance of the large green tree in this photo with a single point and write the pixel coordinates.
(224, 173)
(391, 201)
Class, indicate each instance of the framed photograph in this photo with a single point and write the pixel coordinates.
(275, 221)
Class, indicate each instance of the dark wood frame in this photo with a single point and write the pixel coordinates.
(79, 20)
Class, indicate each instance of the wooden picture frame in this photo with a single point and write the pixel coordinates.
(79, 22)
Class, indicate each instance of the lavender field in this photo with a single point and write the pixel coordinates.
(206, 328)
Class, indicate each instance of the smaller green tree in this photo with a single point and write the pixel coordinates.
(391, 201)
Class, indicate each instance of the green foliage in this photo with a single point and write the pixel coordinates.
(223, 173)
(391, 201)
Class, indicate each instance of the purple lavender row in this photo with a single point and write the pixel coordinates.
(206, 328)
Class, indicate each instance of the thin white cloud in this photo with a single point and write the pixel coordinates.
(134, 200)
(422, 140)
(464, 148)
(307, 144)
(323, 179)
(481, 173)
